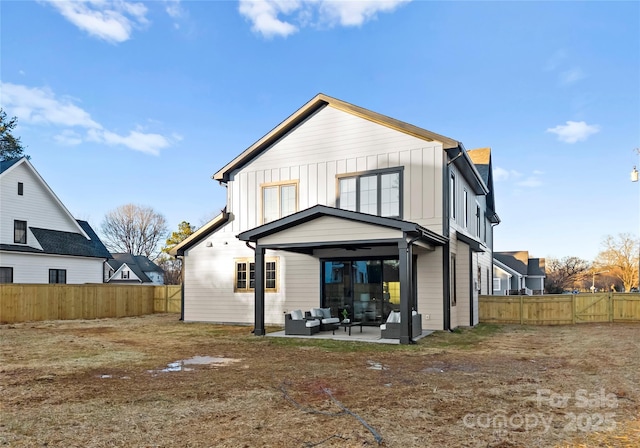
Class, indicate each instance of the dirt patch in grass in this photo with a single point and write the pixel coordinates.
(105, 383)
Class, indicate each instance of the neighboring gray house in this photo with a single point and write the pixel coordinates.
(40, 241)
(133, 269)
(344, 208)
(516, 273)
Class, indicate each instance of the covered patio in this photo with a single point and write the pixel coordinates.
(328, 233)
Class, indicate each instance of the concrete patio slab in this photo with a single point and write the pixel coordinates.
(369, 334)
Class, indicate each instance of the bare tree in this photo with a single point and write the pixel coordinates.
(134, 229)
(619, 256)
(563, 273)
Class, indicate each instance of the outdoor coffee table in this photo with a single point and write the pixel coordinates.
(348, 325)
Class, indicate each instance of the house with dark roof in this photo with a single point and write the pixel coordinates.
(40, 241)
(517, 273)
(132, 269)
(344, 208)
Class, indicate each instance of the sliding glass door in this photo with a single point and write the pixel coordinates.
(368, 289)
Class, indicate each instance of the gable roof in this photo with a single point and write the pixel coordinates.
(314, 105)
(201, 233)
(318, 211)
(55, 242)
(139, 264)
(8, 165)
(481, 158)
(520, 262)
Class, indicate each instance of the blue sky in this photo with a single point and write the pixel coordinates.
(126, 101)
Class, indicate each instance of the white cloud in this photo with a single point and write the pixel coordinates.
(109, 20)
(40, 106)
(572, 76)
(531, 182)
(285, 17)
(574, 131)
(503, 175)
(500, 174)
(68, 138)
(148, 143)
(174, 9)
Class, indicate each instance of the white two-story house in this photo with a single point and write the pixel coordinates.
(344, 208)
(40, 241)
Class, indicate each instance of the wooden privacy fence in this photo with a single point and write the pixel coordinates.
(35, 302)
(560, 309)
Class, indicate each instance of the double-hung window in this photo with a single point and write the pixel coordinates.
(279, 200)
(57, 276)
(245, 275)
(376, 192)
(20, 232)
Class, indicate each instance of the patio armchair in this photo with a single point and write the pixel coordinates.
(391, 328)
(327, 323)
(296, 324)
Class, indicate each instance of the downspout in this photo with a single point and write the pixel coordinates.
(181, 289)
(471, 286)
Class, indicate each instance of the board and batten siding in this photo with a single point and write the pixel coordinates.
(334, 142)
(37, 206)
(461, 317)
(34, 268)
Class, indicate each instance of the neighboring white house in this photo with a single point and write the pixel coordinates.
(345, 208)
(40, 241)
(515, 273)
(133, 269)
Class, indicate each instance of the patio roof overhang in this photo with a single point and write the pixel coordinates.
(321, 227)
(371, 231)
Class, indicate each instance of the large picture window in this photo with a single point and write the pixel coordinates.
(245, 275)
(376, 193)
(20, 232)
(279, 200)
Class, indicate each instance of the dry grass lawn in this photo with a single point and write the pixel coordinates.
(100, 383)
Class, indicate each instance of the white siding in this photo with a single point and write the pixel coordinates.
(430, 289)
(36, 206)
(328, 228)
(34, 268)
(334, 142)
(209, 277)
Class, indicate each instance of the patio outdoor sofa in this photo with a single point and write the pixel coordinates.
(296, 324)
(391, 328)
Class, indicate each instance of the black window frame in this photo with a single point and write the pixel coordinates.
(19, 226)
(3, 271)
(57, 276)
(20, 189)
(378, 173)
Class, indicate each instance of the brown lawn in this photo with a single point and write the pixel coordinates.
(100, 383)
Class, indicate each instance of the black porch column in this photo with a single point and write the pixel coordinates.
(259, 292)
(405, 253)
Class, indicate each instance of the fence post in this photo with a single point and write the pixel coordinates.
(166, 298)
(610, 307)
(573, 309)
(521, 309)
